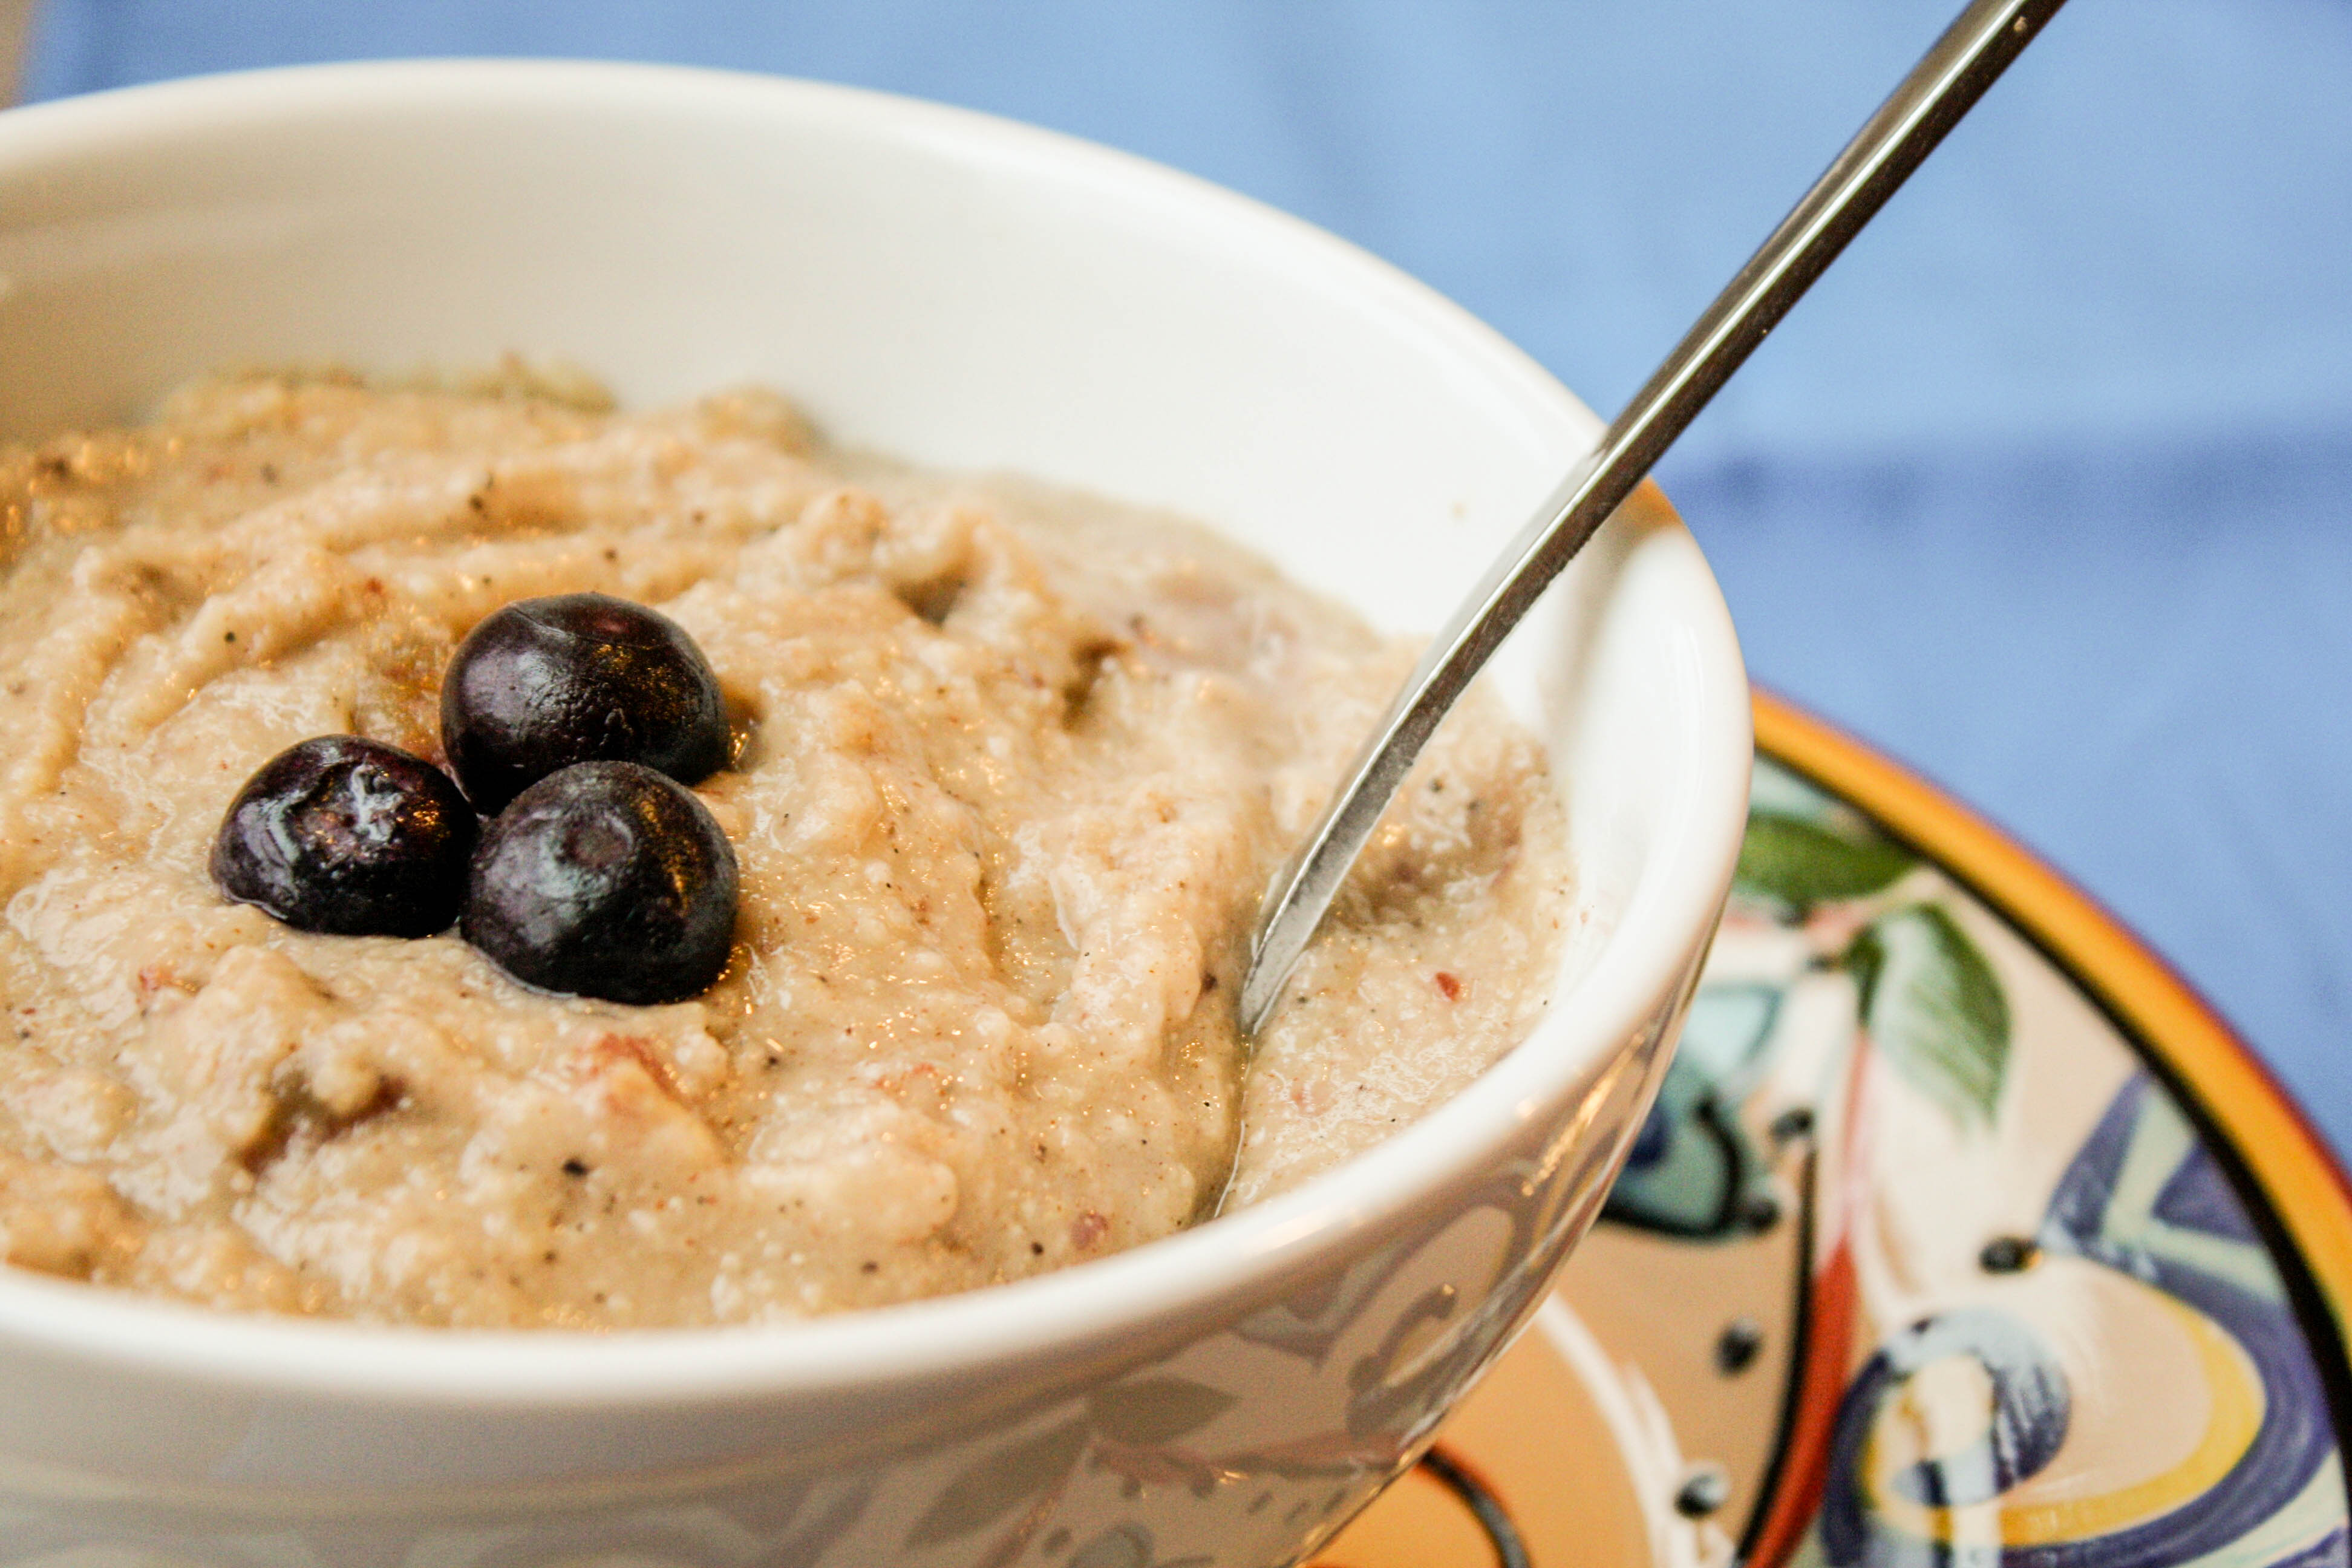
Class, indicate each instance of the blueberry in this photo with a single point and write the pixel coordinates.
(578, 677)
(349, 837)
(605, 879)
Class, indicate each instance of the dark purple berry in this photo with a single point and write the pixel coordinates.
(605, 879)
(578, 677)
(349, 837)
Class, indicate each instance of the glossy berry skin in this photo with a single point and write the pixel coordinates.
(577, 677)
(349, 837)
(605, 879)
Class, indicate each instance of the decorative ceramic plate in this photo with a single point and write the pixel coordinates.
(1962, 1236)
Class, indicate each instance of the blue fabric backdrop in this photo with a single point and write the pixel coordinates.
(2042, 490)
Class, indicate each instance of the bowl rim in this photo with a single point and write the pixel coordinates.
(1658, 932)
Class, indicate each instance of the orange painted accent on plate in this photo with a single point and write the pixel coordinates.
(1834, 1298)
(1805, 1463)
(2307, 1190)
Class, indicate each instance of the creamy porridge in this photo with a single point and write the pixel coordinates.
(1015, 769)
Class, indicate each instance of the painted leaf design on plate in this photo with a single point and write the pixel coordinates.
(1157, 1409)
(998, 1482)
(1801, 861)
(1933, 1004)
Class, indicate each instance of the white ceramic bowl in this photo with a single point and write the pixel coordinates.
(962, 291)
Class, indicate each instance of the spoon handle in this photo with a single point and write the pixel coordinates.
(1941, 89)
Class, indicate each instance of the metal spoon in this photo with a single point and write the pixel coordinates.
(1941, 87)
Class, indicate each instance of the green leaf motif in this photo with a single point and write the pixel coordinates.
(1933, 1004)
(1156, 1410)
(997, 1483)
(1801, 862)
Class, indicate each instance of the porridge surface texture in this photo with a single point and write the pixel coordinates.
(1014, 768)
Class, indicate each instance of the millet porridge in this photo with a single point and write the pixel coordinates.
(1016, 768)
